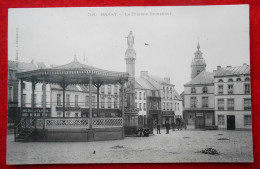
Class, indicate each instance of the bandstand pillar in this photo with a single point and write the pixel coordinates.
(90, 102)
(44, 103)
(33, 99)
(22, 101)
(63, 98)
(98, 87)
(123, 105)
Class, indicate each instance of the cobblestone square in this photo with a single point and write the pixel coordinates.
(177, 146)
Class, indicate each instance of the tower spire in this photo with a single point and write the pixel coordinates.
(198, 46)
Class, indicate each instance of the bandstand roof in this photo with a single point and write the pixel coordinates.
(73, 73)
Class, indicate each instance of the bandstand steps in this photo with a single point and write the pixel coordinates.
(24, 135)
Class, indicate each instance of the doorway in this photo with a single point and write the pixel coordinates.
(199, 122)
(231, 122)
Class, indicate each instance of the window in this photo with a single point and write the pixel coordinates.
(58, 99)
(87, 101)
(153, 93)
(230, 80)
(109, 103)
(247, 104)
(230, 89)
(144, 106)
(108, 89)
(102, 102)
(93, 101)
(116, 102)
(67, 100)
(220, 81)
(247, 88)
(193, 102)
(136, 95)
(230, 104)
(163, 106)
(59, 114)
(238, 79)
(144, 96)
(140, 95)
(10, 93)
(67, 114)
(220, 89)
(205, 90)
(140, 106)
(170, 94)
(102, 89)
(136, 105)
(193, 90)
(175, 106)
(76, 100)
(170, 106)
(247, 79)
(221, 104)
(115, 89)
(167, 106)
(205, 102)
(221, 120)
(247, 120)
(76, 114)
(24, 86)
(24, 100)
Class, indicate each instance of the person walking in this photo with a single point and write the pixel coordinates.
(167, 125)
(158, 128)
(173, 126)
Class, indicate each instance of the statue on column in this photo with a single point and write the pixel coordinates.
(130, 39)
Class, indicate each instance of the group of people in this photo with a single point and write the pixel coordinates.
(179, 125)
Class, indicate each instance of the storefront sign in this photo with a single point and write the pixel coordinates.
(168, 113)
(36, 110)
(199, 114)
(68, 109)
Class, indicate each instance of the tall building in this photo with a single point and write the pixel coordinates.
(233, 97)
(198, 63)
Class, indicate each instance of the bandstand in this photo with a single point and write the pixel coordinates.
(87, 128)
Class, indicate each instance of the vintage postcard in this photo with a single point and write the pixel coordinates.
(129, 85)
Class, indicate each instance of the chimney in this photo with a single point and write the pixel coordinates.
(218, 67)
(167, 79)
(144, 73)
(229, 66)
(244, 64)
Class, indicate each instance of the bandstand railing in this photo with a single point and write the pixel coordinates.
(107, 122)
(77, 123)
(66, 123)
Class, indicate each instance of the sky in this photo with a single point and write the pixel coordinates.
(57, 35)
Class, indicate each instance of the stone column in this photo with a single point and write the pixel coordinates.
(63, 89)
(32, 100)
(21, 100)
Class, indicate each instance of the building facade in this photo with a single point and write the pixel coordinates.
(199, 95)
(233, 97)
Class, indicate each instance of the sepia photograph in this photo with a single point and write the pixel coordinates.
(129, 85)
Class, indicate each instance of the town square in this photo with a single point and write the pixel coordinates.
(100, 94)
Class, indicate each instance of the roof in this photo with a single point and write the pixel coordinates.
(79, 88)
(144, 83)
(22, 66)
(233, 71)
(159, 80)
(74, 73)
(176, 95)
(203, 78)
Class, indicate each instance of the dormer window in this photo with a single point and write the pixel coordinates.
(247, 79)
(230, 80)
(220, 80)
(205, 90)
(193, 90)
(238, 79)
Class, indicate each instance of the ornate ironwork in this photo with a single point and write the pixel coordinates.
(107, 122)
(66, 123)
